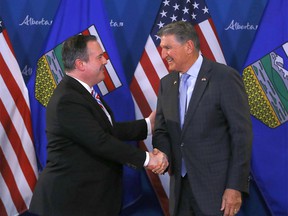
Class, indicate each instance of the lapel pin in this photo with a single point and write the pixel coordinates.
(203, 79)
(175, 82)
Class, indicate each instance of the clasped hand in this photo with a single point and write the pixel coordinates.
(158, 162)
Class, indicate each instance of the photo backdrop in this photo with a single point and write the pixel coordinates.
(29, 22)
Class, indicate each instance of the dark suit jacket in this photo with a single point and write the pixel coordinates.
(216, 137)
(85, 156)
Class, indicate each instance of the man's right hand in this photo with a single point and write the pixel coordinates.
(158, 162)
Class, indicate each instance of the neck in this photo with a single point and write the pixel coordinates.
(79, 78)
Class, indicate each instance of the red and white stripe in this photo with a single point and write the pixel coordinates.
(145, 84)
(209, 41)
(18, 166)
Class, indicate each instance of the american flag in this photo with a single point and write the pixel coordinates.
(18, 166)
(152, 68)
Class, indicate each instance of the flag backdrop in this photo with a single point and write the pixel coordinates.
(81, 17)
(266, 81)
(151, 68)
(18, 166)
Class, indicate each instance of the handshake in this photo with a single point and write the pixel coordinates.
(158, 162)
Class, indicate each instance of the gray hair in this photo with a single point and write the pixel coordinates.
(183, 32)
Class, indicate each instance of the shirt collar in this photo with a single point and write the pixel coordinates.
(85, 85)
(195, 68)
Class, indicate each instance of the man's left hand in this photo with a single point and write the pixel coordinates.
(231, 202)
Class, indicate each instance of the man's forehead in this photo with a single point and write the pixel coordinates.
(95, 46)
(168, 40)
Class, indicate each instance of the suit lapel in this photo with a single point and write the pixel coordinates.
(174, 99)
(79, 88)
(174, 95)
(100, 110)
(200, 86)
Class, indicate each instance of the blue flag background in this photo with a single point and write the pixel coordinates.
(269, 59)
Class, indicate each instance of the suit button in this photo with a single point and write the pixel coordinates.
(182, 144)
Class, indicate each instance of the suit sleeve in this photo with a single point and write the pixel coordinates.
(161, 138)
(79, 121)
(133, 130)
(234, 104)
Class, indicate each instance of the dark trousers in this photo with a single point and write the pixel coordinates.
(187, 203)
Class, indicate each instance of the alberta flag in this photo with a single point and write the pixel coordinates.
(266, 81)
(72, 18)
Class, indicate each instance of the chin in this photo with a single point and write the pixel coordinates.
(171, 68)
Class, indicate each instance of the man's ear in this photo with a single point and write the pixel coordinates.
(79, 64)
(190, 46)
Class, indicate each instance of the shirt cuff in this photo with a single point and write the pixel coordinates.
(149, 128)
(147, 159)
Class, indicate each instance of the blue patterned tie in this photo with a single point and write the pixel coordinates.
(183, 97)
(183, 106)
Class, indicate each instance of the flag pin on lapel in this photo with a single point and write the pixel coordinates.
(203, 79)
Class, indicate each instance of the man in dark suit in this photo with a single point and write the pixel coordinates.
(85, 145)
(209, 152)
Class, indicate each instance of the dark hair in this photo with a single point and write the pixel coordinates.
(183, 32)
(75, 48)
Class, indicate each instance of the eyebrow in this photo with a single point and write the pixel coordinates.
(100, 55)
(104, 54)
